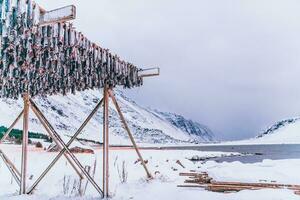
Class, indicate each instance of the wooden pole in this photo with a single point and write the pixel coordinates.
(14, 172)
(50, 133)
(10, 163)
(105, 143)
(24, 144)
(12, 168)
(11, 127)
(111, 94)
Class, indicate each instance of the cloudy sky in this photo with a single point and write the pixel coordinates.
(233, 65)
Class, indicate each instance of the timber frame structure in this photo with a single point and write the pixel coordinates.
(21, 177)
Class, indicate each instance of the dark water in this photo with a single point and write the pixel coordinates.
(258, 152)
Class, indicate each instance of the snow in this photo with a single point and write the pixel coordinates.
(287, 133)
(145, 192)
(67, 113)
(280, 171)
(162, 164)
(168, 192)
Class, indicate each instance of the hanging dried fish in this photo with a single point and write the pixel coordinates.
(53, 59)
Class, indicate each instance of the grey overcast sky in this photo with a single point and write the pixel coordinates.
(233, 65)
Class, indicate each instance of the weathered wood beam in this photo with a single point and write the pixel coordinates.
(63, 14)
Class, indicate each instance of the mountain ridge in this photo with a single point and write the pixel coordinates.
(66, 113)
(278, 125)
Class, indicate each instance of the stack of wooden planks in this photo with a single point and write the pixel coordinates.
(202, 180)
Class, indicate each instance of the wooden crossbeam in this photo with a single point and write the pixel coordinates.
(63, 14)
(155, 71)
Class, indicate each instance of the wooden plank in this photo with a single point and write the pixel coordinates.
(251, 184)
(297, 192)
(63, 14)
(190, 174)
(202, 180)
(149, 72)
(192, 186)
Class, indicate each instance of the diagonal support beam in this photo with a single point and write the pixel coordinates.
(12, 168)
(66, 149)
(11, 127)
(15, 173)
(50, 132)
(10, 163)
(112, 96)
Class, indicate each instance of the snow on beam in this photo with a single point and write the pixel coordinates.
(149, 72)
(63, 14)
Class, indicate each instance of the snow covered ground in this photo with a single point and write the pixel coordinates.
(162, 164)
(67, 113)
(282, 132)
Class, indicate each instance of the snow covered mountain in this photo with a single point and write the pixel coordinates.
(277, 126)
(67, 113)
(282, 132)
(194, 129)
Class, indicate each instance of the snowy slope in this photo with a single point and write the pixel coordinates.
(282, 132)
(68, 112)
(285, 131)
(194, 129)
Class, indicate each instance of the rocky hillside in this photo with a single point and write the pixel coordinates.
(68, 112)
(282, 132)
(194, 129)
(278, 125)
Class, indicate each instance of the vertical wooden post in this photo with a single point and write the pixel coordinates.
(105, 143)
(24, 144)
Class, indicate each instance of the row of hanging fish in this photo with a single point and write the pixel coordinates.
(53, 59)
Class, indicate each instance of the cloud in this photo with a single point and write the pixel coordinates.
(232, 65)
